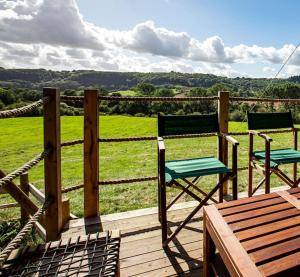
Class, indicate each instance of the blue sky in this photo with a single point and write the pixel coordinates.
(231, 38)
(264, 22)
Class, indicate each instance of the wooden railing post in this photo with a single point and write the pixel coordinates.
(223, 112)
(91, 153)
(24, 186)
(53, 217)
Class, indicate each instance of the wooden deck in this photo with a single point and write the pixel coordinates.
(141, 253)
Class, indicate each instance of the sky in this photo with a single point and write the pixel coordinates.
(223, 37)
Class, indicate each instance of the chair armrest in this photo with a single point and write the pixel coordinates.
(262, 135)
(229, 139)
(161, 144)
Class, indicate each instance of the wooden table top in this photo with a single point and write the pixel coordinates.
(258, 236)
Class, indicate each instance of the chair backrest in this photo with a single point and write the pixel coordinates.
(261, 121)
(187, 124)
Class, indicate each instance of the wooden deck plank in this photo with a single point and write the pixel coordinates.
(141, 252)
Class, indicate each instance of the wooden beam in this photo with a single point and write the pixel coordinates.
(52, 163)
(19, 196)
(24, 185)
(9, 205)
(65, 211)
(38, 195)
(223, 113)
(91, 153)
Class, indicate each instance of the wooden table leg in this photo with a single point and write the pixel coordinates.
(209, 250)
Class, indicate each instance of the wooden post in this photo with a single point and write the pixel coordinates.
(223, 113)
(52, 163)
(91, 153)
(24, 186)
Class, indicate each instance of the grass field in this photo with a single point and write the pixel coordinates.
(127, 92)
(21, 140)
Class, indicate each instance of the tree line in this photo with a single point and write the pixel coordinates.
(17, 97)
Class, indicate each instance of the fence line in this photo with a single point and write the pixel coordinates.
(125, 181)
(258, 99)
(20, 111)
(181, 99)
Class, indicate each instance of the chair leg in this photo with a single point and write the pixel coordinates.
(267, 181)
(163, 216)
(159, 200)
(235, 187)
(191, 215)
(250, 179)
(221, 189)
(295, 173)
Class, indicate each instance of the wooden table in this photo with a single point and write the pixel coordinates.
(257, 236)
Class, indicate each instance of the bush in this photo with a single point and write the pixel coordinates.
(237, 116)
(180, 112)
(139, 115)
(1, 105)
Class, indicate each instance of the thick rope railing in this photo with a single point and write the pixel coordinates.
(72, 188)
(157, 99)
(24, 168)
(17, 241)
(112, 182)
(72, 98)
(155, 137)
(258, 99)
(142, 99)
(20, 111)
(181, 99)
(71, 143)
(80, 141)
(126, 181)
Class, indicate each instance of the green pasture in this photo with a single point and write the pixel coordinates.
(22, 139)
(127, 92)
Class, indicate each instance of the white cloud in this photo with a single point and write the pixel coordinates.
(52, 22)
(53, 34)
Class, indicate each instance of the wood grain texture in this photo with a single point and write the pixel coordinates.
(24, 186)
(91, 153)
(52, 163)
(266, 227)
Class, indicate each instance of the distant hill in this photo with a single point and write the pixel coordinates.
(79, 79)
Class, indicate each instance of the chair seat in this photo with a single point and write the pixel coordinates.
(279, 156)
(194, 167)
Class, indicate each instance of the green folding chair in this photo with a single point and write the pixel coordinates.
(189, 171)
(267, 161)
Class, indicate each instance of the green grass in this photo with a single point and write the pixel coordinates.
(127, 92)
(22, 139)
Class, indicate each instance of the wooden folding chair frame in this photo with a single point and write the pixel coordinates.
(266, 170)
(162, 199)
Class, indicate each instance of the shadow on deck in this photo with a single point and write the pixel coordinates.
(141, 252)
